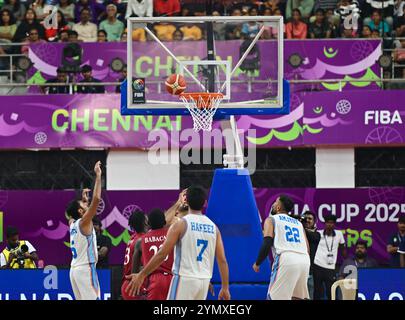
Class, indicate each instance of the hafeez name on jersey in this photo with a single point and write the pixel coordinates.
(201, 227)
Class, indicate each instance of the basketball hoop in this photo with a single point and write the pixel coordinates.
(202, 106)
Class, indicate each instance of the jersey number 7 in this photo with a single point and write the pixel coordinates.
(204, 244)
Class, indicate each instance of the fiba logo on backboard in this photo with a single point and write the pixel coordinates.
(138, 84)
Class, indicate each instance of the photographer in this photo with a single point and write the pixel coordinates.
(313, 236)
(18, 254)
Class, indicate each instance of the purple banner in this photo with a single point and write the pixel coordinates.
(368, 214)
(319, 118)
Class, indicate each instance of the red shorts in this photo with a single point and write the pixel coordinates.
(126, 296)
(159, 284)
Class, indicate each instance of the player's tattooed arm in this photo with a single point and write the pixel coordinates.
(86, 223)
(137, 264)
(173, 235)
(224, 293)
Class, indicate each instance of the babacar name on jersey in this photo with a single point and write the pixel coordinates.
(201, 227)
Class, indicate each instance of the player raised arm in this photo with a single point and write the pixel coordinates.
(268, 239)
(171, 212)
(224, 294)
(86, 223)
(173, 235)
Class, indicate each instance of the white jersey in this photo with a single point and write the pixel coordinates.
(84, 248)
(289, 235)
(194, 253)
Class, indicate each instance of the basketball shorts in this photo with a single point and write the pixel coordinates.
(187, 288)
(84, 281)
(126, 296)
(289, 277)
(158, 286)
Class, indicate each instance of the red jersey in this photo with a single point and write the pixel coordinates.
(152, 241)
(129, 254)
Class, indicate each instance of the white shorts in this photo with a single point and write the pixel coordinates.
(84, 282)
(186, 288)
(289, 277)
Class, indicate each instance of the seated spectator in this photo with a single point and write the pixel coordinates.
(395, 241)
(385, 7)
(61, 77)
(164, 31)
(349, 33)
(86, 30)
(139, 8)
(245, 6)
(250, 29)
(18, 254)
(16, 7)
(8, 26)
(377, 23)
(51, 34)
(270, 4)
(320, 28)
(166, 8)
(68, 9)
(269, 32)
(33, 38)
(86, 72)
(233, 30)
(177, 35)
(63, 36)
(305, 7)
(29, 22)
(112, 25)
(193, 8)
(219, 28)
(73, 36)
(124, 36)
(121, 79)
(96, 10)
(296, 29)
(191, 32)
(102, 36)
(360, 260)
(138, 34)
(400, 23)
(366, 32)
(375, 34)
(38, 6)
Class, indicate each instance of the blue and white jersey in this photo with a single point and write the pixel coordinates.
(194, 253)
(289, 235)
(84, 248)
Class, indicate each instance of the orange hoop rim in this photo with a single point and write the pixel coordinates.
(204, 95)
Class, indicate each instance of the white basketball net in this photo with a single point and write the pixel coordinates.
(202, 110)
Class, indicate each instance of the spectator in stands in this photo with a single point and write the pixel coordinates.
(138, 34)
(191, 32)
(325, 258)
(385, 7)
(250, 29)
(63, 36)
(104, 245)
(400, 23)
(73, 36)
(377, 23)
(124, 36)
(102, 36)
(51, 34)
(233, 30)
(96, 10)
(139, 8)
(8, 26)
(366, 32)
(86, 30)
(61, 77)
(18, 254)
(320, 28)
(164, 31)
(270, 4)
(121, 79)
(112, 25)
(16, 7)
(219, 28)
(305, 7)
(33, 38)
(269, 32)
(68, 9)
(29, 22)
(38, 6)
(296, 28)
(395, 242)
(166, 8)
(360, 260)
(177, 35)
(88, 77)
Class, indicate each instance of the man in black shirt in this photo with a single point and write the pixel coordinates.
(395, 241)
(88, 77)
(61, 77)
(103, 245)
(123, 77)
(320, 28)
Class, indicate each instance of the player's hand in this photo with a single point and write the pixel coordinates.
(224, 294)
(27, 255)
(256, 268)
(97, 169)
(135, 282)
(211, 289)
(11, 257)
(182, 197)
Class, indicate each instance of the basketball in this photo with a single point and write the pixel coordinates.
(175, 84)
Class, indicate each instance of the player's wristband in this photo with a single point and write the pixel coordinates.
(264, 250)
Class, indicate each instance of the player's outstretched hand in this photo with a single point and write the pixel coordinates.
(182, 197)
(134, 286)
(256, 268)
(224, 294)
(97, 169)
